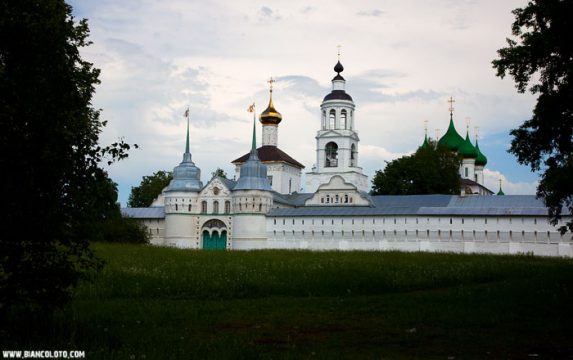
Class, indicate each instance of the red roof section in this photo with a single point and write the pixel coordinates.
(270, 153)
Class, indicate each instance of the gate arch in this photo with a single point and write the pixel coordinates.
(214, 234)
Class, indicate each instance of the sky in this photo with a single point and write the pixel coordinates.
(402, 61)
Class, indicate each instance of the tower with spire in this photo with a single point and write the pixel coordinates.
(284, 172)
(181, 198)
(337, 140)
(251, 200)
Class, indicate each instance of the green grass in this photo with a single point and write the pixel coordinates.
(158, 303)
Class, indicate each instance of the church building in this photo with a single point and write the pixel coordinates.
(263, 208)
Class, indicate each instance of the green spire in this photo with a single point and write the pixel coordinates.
(187, 142)
(254, 145)
(500, 192)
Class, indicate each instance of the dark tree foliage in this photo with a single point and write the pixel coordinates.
(149, 188)
(219, 172)
(53, 188)
(430, 170)
(542, 58)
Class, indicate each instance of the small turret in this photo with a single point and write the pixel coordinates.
(186, 176)
(253, 173)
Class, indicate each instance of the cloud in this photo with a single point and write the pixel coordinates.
(373, 13)
(491, 181)
(266, 13)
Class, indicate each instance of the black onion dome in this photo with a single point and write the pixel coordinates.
(337, 95)
(338, 67)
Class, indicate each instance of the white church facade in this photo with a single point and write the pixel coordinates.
(263, 210)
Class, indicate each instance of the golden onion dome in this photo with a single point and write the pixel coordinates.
(270, 116)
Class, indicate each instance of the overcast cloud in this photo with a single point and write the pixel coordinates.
(402, 62)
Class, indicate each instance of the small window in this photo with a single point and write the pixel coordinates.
(203, 207)
(227, 207)
(215, 206)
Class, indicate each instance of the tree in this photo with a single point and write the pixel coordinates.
(430, 170)
(541, 58)
(219, 172)
(49, 132)
(149, 188)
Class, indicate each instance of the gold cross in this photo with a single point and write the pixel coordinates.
(271, 81)
(468, 121)
(476, 131)
(451, 101)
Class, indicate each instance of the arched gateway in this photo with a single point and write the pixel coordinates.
(214, 234)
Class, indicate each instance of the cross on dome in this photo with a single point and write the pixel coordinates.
(451, 107)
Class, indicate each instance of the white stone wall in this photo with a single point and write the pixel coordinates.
(285, 177)
(501, 235)
(479, 174)
(270, 134)
(467, 169)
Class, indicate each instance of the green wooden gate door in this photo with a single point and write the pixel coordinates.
(214, 241)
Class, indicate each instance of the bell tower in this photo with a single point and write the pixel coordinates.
(337, 140)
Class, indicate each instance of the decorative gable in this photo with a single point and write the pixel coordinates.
(337, 192)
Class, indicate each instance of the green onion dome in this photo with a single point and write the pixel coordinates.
(466, 149)
(451, 139)
(481, 160)
(425, 144)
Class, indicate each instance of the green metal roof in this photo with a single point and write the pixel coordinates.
(481, 160)
(451, 139)
(425, 144)
(466, 149)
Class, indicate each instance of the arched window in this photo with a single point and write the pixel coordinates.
(343, 119)
(331, 155)
(353, 155)
(215, 207)
(203, 207)
(332, 119)
(227, 207)
(323, 120)
(466, 170)
(351, 126)
(289, 186)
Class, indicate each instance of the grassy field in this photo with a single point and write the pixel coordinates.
(157, 303)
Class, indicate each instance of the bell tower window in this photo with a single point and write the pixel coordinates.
(353, 155)
(323, 120)
(343, 119)
(331, 155)
(332, 119)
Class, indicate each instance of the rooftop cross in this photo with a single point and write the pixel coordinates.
(271, 81)
(468, 121)
(338, 46)
(426, 127)
(476, 132)
(451, 101)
